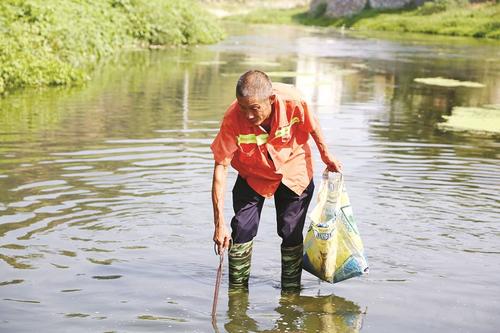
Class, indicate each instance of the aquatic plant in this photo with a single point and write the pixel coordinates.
(439, 81)
(484, 119)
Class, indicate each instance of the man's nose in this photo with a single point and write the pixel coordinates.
(250, 116)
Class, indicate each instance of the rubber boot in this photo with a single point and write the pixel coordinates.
(240, 257)
(291, 267)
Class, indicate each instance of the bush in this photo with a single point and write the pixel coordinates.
(319, 11)
(57, 42)
(438, 6)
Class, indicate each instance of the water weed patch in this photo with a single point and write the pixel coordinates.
(443, 82)
(484, 119)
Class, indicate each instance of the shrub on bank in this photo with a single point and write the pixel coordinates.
(442, 17)
(56, 42)
(438, 6)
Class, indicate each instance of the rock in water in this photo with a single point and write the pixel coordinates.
(340, 8)
(389, 4)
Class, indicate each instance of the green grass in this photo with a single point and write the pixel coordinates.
(443, 17)
(58, 42)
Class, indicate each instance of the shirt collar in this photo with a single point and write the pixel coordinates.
(279, 116)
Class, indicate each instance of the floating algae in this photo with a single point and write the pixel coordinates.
(102, 262)
(21, 300)
(283, 74)
(211, 63)
(440, 81)
(106, 277)
(17, 281)
(13, 246)
(288, 74)
(149, 317)
(475, 119)
(360, 66)
(77, 315)
(259, 62)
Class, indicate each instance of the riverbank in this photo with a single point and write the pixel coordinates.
(48, 43)
(472, 20)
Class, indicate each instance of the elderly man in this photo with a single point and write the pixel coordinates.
(264, 136)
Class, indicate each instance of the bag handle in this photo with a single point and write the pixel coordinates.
(338, 189)
(326, 175)
(327, 172)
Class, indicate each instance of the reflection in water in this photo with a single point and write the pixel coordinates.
(185, 101)
(321, 83)
(297, 313)
(237, 314)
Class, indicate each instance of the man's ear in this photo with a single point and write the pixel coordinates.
(272, 99)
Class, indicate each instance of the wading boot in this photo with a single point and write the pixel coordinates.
(291, 267)
(240, 257)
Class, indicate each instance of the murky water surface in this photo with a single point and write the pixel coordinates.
(105, 211)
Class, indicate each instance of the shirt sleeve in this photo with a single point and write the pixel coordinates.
(224, 145)
(310, 121)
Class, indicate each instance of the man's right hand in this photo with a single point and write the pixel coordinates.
(221, 235)
(222, 238)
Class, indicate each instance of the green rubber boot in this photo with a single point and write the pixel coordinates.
(240, 257)
(291, 267)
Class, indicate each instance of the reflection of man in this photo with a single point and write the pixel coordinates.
(297, 313)
(264, 136)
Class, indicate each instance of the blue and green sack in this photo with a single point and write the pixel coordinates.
(333, 250)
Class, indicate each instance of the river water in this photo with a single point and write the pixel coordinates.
(105, 211)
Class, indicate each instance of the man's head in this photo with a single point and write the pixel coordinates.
(254, 92)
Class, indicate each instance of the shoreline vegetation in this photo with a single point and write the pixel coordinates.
(440, 17)
(58, 42)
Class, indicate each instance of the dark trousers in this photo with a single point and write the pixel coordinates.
(291, 210)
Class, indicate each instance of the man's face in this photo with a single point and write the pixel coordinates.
(256, 110)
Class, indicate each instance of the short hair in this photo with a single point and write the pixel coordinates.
(254, 83)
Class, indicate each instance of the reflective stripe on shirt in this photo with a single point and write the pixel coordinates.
(262, 138)
(252, 138)
(285, 130)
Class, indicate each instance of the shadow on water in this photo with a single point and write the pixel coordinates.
(296, 313)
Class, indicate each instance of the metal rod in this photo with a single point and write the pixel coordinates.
(217, 286)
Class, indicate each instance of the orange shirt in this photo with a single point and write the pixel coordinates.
(248, 147)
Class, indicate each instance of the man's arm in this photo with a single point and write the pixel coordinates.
(331, 162)
(221, 235)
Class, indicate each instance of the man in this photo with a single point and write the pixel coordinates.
(264, 136)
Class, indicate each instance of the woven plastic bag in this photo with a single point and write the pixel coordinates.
(333, 250)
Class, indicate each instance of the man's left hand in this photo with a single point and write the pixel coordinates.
(332, 164)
